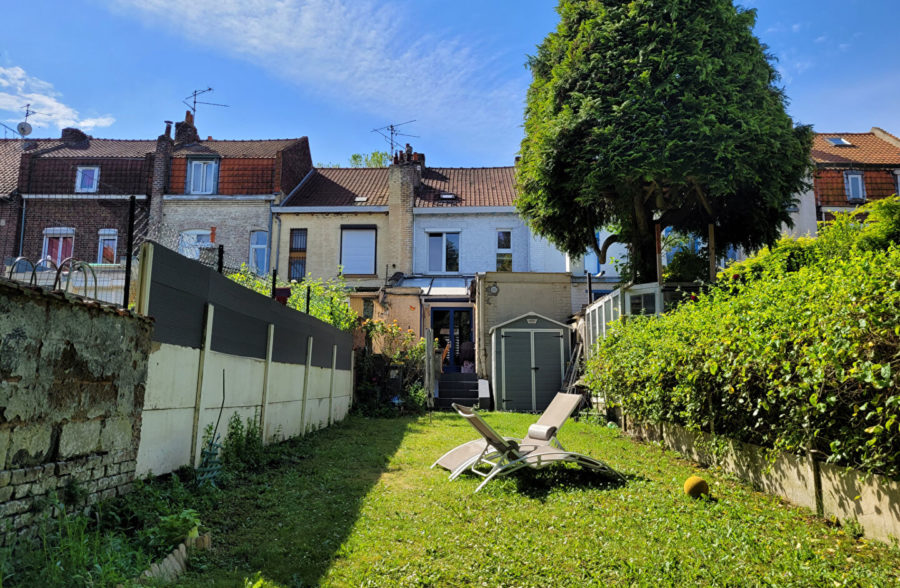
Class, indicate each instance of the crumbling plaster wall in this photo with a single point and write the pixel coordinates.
(72, 377)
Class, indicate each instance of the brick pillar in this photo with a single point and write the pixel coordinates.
(158, 182)
(403, 179)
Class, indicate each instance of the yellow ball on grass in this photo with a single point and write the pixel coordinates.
(695, 487)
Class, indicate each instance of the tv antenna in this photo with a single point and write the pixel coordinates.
(23, 129)
(194, 102)
(390, 134)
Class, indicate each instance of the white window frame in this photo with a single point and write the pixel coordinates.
(366, 229)
(256, 247)
(57, 233)
(849, 177)
(443, 233)
(80, 173)
(107, 234)
(507, 250)
(191, 249)
(192, 165)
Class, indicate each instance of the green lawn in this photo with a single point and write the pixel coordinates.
(359, 507)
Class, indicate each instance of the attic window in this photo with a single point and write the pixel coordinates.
(839, 142)
(360, 198)
(448, 196)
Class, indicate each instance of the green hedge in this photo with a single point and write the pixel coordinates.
(796, 348)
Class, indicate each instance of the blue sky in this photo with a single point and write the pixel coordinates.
(335, 70)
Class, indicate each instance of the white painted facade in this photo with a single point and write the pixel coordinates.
(478, 245)
(804, 217)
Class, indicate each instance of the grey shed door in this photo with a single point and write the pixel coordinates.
(517, 370)
(548, 367)
(532, 367)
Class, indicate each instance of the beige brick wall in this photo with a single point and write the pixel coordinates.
(548, 294)
(233, 221)
(323, 243)
(402, 182)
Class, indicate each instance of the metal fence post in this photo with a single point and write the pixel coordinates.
(221, 263)
(129, 252)
(274, 281)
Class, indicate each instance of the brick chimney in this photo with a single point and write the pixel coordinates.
(74, 138)
(165, 146)
(404, 179)
(186, 132)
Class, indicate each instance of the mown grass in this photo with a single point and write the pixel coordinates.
(359, 507)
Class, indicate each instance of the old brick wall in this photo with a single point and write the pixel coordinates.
(233, 220)
(87, 217)
(10, 211)
(291, 166)
(72, 378)
(56, 175)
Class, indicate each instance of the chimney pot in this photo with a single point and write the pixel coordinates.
(168, 132)
(188, 117)
(209, 138)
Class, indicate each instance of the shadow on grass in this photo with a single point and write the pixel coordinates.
(289, 522)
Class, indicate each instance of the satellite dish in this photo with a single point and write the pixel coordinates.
(23, 128)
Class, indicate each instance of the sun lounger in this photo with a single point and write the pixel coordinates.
(542, 432)
(505, 455)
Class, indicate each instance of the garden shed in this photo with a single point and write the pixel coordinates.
(529, 361)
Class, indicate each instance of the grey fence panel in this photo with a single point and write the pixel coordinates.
(181, 288)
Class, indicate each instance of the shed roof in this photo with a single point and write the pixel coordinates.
(529, 315)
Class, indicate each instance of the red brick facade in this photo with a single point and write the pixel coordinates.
(10, 213)
(54, 175)
(830, 189)
(236, 176)
(86, 217)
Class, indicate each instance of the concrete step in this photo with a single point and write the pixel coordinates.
(462, 389)
(458, 377)
(445, 402)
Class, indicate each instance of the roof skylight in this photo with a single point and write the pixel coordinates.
(839, 141)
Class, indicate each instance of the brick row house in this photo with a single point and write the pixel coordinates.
(411, 239)
(69, 197)
(851, 169)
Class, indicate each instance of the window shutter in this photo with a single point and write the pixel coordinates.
(358, 251)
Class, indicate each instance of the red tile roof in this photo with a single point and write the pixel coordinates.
(256, 149)
(472, 186)
(480, 186)
(330, 186)
(864, 149)
(10, 155)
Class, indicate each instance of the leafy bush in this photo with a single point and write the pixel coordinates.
(327, 298)
(797, 348)
(243, 446)
(390, 371)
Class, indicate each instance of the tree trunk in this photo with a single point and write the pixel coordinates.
(643, 242)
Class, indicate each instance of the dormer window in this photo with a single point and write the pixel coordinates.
(87, 179)
(202, 176)
(854, 186)
(839, 142)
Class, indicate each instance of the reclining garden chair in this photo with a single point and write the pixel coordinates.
(505, 455)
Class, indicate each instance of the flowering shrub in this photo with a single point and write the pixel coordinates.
(796, 348)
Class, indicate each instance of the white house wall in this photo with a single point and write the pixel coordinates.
(478, 242)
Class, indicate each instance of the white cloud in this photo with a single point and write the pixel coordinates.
(821, 38)
(364, 53)
(796, 27)
(17, 89)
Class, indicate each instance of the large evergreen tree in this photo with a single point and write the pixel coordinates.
(657, 111)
